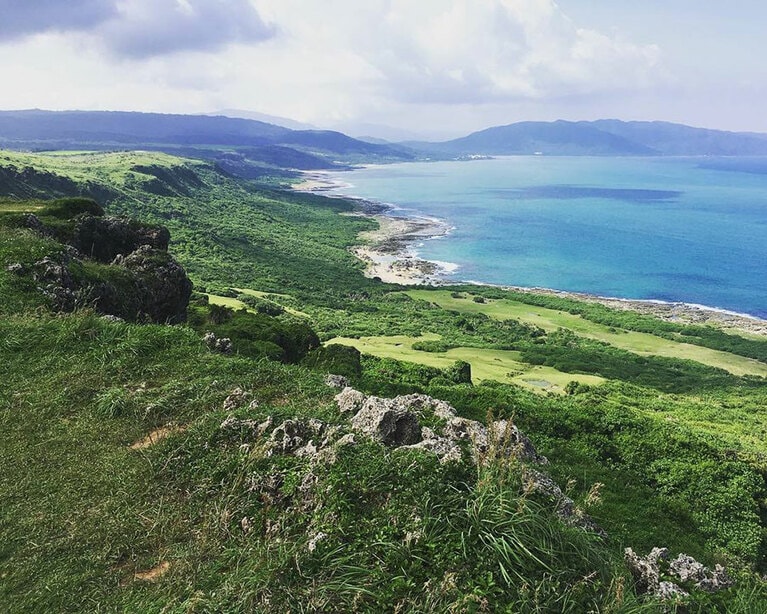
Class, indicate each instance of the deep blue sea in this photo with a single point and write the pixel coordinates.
(674, 229)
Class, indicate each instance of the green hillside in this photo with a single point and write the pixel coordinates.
(153, 468)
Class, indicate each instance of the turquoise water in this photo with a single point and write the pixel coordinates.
(672, 229)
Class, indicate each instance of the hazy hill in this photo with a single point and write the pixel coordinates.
(603, 138)
(35, 129)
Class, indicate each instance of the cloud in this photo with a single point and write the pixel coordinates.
(148, 28)
(474, 51)
(28, 17)
(139, 29)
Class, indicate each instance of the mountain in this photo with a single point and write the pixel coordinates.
(602, 138)
(209, 135)
(680, 140)
(277, 120)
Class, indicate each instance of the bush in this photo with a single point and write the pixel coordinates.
(335, 358)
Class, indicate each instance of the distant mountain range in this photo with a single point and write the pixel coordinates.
(606, 137)
(253, 148)
(207, 136)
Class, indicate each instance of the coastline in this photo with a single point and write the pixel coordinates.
(390, 254)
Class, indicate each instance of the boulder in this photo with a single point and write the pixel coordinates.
(386, 421)
(104, 238)
(162, 283)
(349, 400)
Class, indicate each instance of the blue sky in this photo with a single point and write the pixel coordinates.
(433, 68)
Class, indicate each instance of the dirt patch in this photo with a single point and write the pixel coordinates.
(156, 436)
(153, 574)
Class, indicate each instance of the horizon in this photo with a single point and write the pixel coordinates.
(288, 120)
(392, 69)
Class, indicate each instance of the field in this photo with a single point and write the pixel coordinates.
(551, 320)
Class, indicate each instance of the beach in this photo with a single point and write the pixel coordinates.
(390, 254)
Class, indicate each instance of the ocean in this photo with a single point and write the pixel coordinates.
(690, 230)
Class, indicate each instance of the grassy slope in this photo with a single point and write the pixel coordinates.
(551, 320)
(682, 469)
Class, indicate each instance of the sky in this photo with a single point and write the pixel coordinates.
(393, 68)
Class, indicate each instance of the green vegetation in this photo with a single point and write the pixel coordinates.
(585, 323)
(122, 489)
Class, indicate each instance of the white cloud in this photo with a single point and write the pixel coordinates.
(474, 51)
(405, 62)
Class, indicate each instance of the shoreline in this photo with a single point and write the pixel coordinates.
(390, 254)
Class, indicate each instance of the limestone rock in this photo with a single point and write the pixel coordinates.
(336, 381)
(687, 569)
(350, 400)
(222, 345)
(645, 571)
(388, 422)
(668, 591)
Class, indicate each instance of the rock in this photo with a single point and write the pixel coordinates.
(222, 345)
(668, 591)
(162, 283)
(543, 485)
(422, 403)
(350, 400)
(336, 381)
(104, 238)
(446, 449)
(31, 221)
(316, 539)
(294, 435)
(254, 428)
(385, 421)
(110, 318)
(648, 570)
(645, 571)
(509, 441)
(16, 268)
(687, 569)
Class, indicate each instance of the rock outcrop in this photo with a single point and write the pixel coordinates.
(161, 282)
(395, 422)
(649, 570)
(105, 238)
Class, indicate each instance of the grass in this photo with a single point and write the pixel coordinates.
(486, 364)
(550, 320)
(86, 517)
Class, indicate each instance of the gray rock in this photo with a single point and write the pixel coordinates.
(16, 268)
(161, 282)
(336, 381)
(222, 345)
(668, 591)
(447, 450)
(645, 571)
(296, 436)
(253, 428)
(422, 403)
(687, 569)
(350, 400)
(386, 421)
(543, 485)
